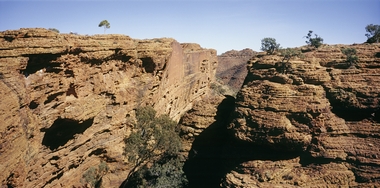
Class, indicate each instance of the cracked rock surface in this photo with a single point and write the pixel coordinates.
(321, 110)
(67, 101)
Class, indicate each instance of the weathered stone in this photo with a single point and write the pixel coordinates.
(232, 67)
(68, 100)
(327, 117)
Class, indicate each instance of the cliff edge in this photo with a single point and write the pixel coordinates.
(317, 123)
(68, 100)
(311, 122)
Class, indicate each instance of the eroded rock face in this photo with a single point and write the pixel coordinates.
(206, 141)
(232, 68)
(67, 100)
(321, 110)
(200, 117)
(289, 173)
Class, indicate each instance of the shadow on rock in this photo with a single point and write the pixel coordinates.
(204, 167)
(215, 152)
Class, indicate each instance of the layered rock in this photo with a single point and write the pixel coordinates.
(206, 140)
(198, 119)
(69, 100)
(317, 121)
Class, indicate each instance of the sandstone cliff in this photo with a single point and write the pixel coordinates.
(232, 67)
(68, 100)
(315, 125)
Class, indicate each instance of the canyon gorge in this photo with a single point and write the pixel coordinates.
(68, 102)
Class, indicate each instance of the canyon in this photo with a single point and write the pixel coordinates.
(232, 67)
(315, 124)
(68, 102)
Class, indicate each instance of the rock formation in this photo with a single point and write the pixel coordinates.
(315, 124)
(68, 100)
(232, 67)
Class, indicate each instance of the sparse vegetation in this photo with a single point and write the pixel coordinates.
(153, 149)
(217, 88)
(165, 172)
(269, 45)
(351, 57)
(316, 42)
(289, 53)
(373, 34)
(105, 24)
(54, 29)
(93, 176)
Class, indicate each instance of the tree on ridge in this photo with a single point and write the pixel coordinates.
(373, 34)
(104, 24)
(317, 41)
(269, 45)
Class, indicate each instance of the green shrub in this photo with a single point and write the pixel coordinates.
(351, 57)
(373, 34)
(316, 42)
(269, 45)
(93, 175)
(153, 140)
(104, 24)
(90, 176)
(289, 53)
(165, 172)
(54, 29)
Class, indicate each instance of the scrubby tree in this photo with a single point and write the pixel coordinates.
(154, 141)
(316, 42)
(287, 53)
(54, 29)
(269, 45)
(351, 57)
(165, 172)
(105, 24)
(93, 176)
(373, 34)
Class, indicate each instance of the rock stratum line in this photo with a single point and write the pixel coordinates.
(67, 101)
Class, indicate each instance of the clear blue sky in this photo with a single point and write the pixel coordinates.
(219, 24)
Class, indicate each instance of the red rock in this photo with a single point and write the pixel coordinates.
(322, 109)
(68, 100)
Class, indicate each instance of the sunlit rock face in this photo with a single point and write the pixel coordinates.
(315, 123)
(68, 100)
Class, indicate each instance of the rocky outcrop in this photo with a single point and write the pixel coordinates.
(317, 121)
(68, 100)
(198, 119)
(232, 67)
(206, 141)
